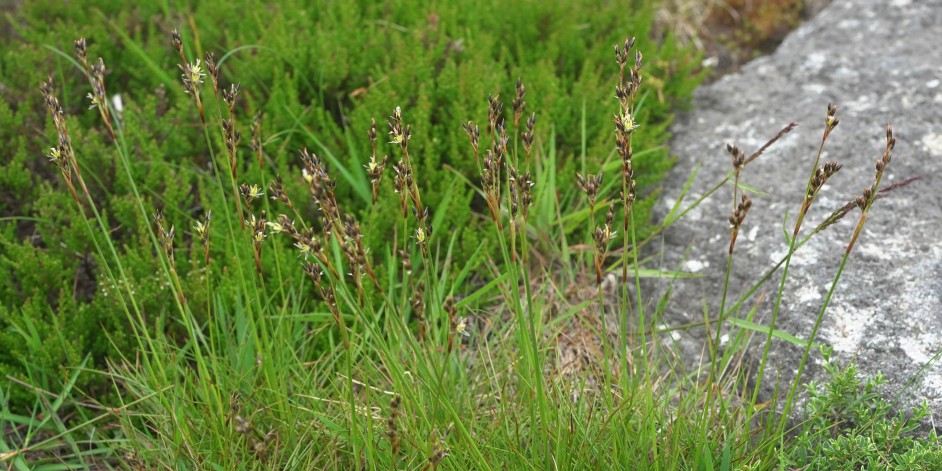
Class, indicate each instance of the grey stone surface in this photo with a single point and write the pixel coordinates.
(880, 61)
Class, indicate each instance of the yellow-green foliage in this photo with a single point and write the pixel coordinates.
(851, 426)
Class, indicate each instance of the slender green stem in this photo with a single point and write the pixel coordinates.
(814, 332)
(781, 289)
(640, 306)
(719, 322)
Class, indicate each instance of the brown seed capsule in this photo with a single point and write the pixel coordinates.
(81, 52)
(832, 120)
(176, 41)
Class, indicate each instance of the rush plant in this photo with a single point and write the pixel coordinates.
(286, 334)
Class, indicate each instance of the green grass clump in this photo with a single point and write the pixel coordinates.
(276, 305)
(317, 73)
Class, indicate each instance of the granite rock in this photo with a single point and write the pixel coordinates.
(881, 62)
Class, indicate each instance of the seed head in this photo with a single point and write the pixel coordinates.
(603, 235)
(589, 185)
(251, 193)
(518, 104)
(821, 176)
(165, 237)
(622, 52)
(202, 227)
(213, 70)
(275, 227)
(230, 95)
(739, 214)
(55, 155)
(371, 133)
(462, 327)
(832, 120)
(738, 156)
(625, 123)
(81, 52)
(418, 297)
(451, 309)
(420, 236)
(736, 219)
(392, 427)
(304, 248)
(527, 135)
(495, 109)
(176, 41)
(474, 134)
(193, 74)
(398, 133)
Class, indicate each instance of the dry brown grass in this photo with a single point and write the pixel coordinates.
(732, 32)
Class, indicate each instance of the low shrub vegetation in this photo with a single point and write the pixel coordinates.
(310, 76)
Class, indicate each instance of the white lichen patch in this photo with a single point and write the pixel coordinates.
(932, 384)
(672, 334)
(669, 203)
(878, 251)
(847, 329)
(862, 102)
(694, 266)
(932, 143)
(807, 256)
(751, 237)
(919, 348)
(919, 337)
(808, 293)
(815, 88)
(814, 61)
